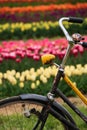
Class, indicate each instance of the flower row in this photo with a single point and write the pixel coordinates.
(3, 1)
(52, 15)
(17, 50)
(41, 75)
(37, 29)
(40, 1)
(43, 8)
(27, 26)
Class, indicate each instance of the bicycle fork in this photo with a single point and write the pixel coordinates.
(44, 115)
(42, 118)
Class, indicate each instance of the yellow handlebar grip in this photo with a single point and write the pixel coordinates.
(47, 58)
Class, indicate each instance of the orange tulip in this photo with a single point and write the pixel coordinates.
(42, 8)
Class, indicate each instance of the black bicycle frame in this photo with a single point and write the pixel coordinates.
(55, 90)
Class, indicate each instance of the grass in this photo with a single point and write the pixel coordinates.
(27, 123)
(80, 123)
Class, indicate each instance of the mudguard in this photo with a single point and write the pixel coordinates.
(56, 108)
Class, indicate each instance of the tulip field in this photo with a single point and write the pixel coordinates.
(30, 29)
(21, 70)
(34, 49)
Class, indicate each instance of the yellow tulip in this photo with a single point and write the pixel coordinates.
(21, 84)
(17, 75)
(5, 76)
(33, 85)
(28, 77)
(0, 81)
(34, 29)
(22, 79)
(1, 75)
(37, 82)
(44, 80)
(33, 77)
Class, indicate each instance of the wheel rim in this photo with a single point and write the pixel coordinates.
(23, 116)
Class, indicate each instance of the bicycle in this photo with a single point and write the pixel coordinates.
(33, 110)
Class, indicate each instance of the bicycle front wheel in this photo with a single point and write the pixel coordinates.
(18, 113)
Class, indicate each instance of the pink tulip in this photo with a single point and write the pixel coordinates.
(29, 54)
(5, 55)
(12, 55)
(36, 48)
(18, 60)
(61, 54)
(79, 48)
(36, 57)
(75, 52)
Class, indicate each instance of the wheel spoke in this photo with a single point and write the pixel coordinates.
(16, 114)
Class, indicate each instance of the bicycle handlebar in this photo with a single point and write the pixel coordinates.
(68, 19)
(68, 37)
(75, 20)
(84, 44)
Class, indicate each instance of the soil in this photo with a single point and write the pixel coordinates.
(75, 100)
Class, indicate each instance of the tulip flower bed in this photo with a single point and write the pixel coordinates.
(42, 16)
(43, 12)
(42, 8)
(39, 81)
(38, 29)
(21, 70)
(32, 50)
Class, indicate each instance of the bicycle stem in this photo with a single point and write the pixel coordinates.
(61, 67)
(69, 39)
(66, 56)
(71, 43)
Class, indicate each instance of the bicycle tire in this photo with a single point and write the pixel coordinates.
(28, 106)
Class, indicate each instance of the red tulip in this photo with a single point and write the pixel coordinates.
(75, 52)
